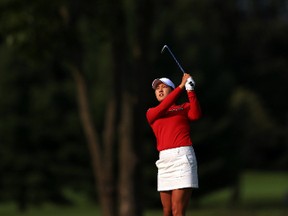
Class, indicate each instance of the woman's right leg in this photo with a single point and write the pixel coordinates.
(166, 200)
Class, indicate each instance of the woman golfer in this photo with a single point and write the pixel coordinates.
(177, 165)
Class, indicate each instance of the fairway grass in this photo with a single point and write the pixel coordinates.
(227, 212)
(262, 194)
(94, 211)
(258, 189)
(265, 188)
(52, 210)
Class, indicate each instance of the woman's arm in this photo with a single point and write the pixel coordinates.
(156, 112)
(194, 112)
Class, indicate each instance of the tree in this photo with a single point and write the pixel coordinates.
(62, 39)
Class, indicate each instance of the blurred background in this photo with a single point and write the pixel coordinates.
(75, 84)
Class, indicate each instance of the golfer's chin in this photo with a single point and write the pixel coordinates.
(160, 99)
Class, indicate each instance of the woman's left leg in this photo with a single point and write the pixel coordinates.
(180, 201)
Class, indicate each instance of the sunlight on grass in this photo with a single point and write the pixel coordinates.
(263, 187)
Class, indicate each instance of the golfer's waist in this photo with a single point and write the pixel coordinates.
(176, 150)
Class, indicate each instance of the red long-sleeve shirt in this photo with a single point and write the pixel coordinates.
(170, 122)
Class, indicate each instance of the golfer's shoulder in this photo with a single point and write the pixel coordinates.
(149, 111)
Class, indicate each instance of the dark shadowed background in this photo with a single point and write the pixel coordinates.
(75, 84)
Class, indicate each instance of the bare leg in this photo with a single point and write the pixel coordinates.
(180, 201)
(166, 200)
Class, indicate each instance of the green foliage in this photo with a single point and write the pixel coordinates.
(40, 135)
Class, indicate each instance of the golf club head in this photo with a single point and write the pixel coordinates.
(163, 48)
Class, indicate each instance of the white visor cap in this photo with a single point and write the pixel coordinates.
(164, 80)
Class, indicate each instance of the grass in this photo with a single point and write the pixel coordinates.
(227, 212)
(94, 211)
(50, 210)
(257, 189)
(262, 194)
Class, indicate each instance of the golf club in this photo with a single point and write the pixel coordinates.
(166, 47)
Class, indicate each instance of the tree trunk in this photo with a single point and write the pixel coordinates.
(110, 149)
(128, 159)
(102, 159)
(123, 79)
(106, 200)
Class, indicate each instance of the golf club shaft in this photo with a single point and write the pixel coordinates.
(165, 46)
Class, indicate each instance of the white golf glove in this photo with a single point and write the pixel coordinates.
(190, 84)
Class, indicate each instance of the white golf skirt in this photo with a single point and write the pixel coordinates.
(177, 168)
